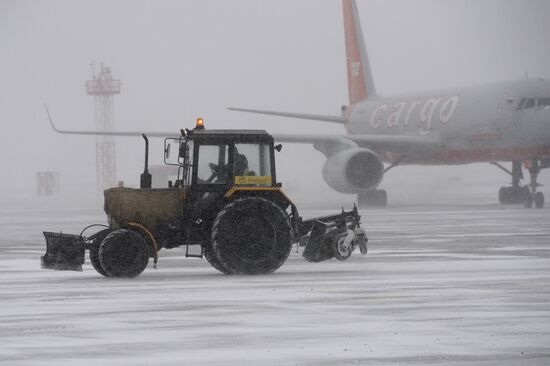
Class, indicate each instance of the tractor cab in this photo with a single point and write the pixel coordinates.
(224, 162)
(215, 160)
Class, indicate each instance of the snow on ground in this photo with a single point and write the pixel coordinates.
(466, 285)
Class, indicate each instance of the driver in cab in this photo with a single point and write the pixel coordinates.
(241, 166)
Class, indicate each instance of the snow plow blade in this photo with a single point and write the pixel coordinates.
(64, 252)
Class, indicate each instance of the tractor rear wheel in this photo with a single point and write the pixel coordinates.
(211, 258)
(251, 236)
(123, 253)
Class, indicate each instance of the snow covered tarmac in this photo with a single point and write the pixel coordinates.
(467, 285)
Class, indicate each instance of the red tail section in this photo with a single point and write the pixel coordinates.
(360, 82)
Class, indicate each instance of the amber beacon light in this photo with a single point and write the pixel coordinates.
(200, 124)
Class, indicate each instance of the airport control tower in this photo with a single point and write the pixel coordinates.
(103, 87)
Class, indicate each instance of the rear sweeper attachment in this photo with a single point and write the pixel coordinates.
(225, 201)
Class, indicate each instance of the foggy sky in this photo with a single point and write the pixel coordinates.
(181, 59)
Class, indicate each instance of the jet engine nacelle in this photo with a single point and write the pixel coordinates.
(353, 170)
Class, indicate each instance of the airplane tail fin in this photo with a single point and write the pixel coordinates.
(360, 81)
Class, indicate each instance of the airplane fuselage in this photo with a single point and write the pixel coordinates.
(497, 122)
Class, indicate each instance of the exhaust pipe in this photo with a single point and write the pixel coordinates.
(145, 178)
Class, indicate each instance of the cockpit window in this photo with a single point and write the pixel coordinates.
(521, 103)
(530, 103)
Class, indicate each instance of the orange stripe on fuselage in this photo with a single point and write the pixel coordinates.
(473, 156)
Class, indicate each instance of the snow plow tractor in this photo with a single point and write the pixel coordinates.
(225, 205)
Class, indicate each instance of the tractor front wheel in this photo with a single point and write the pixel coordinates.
(123, 253)
(94, 251)
(251, 236)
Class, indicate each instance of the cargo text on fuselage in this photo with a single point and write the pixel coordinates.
(424, 112)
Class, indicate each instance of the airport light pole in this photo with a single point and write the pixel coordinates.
(103, 88)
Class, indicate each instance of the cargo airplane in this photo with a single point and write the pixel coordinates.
(493, 123)
(501, 122)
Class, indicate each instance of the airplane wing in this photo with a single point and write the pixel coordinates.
(108, 133)
(385, 143)
(315, 117)
(382, 143)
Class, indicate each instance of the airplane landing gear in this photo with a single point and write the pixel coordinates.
(539, 200)
(517, 194)
(534, 196)
(373, 198)
(513, 195)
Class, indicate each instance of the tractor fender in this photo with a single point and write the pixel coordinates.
(275, 194)
(143, 230)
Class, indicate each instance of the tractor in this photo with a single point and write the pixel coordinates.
(226, 203)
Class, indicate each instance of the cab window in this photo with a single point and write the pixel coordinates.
(253, 160)
(185, 159)
(212, 164)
